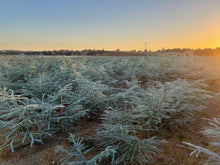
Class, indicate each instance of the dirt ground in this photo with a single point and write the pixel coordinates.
(173, 152)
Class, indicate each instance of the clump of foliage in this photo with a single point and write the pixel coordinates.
(214, 158)
(76, 154)
(23, 119)
(214, 133)
(45, 102)
(119, 129)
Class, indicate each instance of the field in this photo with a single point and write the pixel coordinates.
(108, 110)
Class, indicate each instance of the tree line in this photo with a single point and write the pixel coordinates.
(117, 52)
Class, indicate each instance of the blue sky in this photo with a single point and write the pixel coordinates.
(108, 24)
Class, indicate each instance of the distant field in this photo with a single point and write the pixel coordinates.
(114, 109)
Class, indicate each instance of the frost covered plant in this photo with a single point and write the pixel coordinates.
(119, 129)
(51, 94)
(42, 105)
(214, 158)
(214, 133)
(125, 97)
(71, 109)
(23, 120)
(196, 68)
(76, 154)
(172, 103)
(95, 99)
(18, 71)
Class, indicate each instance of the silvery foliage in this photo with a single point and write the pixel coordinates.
(119, 129)
(137, 93)
(214, 133)
(76, 154)
(23, 120)
(147, 109)
(36, 118)
(173, 102)
(214, 158)
(160, 103)
(41, 105)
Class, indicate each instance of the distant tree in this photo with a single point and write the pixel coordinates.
(77, 52)
(91, 52)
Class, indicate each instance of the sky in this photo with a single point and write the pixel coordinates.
(109, 24)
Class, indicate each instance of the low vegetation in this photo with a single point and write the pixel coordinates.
(134, 97)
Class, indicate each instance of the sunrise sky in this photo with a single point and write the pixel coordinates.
(109, 24)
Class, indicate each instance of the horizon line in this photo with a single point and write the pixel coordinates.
(106, 49)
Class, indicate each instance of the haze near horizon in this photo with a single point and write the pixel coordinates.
(98, 24)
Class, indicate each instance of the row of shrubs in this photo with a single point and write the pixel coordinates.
(41, 96)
